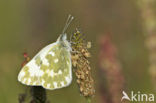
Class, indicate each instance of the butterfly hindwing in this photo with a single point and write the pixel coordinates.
(58, 73)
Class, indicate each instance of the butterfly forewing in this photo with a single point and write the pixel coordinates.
(51, 68)
(31, 72)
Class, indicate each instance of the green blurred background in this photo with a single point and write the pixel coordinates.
(29, 25)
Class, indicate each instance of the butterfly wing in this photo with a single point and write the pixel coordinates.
(31, 72)
(58, 73)
(51, 68)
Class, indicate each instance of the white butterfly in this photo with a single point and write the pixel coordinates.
(51, 67)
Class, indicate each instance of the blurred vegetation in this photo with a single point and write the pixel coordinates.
(29, 25)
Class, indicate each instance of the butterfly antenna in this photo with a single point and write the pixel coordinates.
(69, 20)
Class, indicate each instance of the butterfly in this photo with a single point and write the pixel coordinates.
(51, 67)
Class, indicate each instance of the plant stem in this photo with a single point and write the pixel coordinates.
(38, 94)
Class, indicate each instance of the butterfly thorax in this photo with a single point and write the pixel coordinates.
(62, 40)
